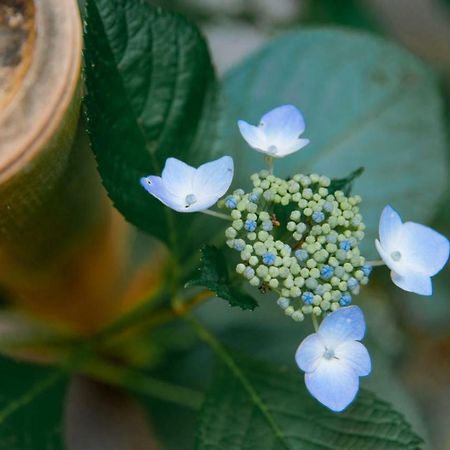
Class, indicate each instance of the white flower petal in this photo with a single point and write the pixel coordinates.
(424, 250)
(178, 177)
(298, 144)
(214, 178)
(396, 266)
(356, 355)
(155, 186)
(310, 352)
(334, 383)
(390, 226)
(283, 123)
(413, 282)
(342, 325)
(253, 135)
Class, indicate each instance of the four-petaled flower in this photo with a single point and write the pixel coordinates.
(278, 132)
(333, 359)
(413, 252)
(186, 189)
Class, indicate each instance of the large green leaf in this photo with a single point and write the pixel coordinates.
(366, 103)
(152, 94)
(31, 406)
(268, 408)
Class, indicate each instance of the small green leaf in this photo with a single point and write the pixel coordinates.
(152, 94)
(263, 407)
(345, 184)
(213, 275)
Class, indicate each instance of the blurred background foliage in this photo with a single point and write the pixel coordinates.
(409, 336)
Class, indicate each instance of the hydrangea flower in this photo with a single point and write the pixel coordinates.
(278, 132)
(333, 359)
(413, 252)
(187, 189)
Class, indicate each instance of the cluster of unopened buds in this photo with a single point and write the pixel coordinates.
(299, 238)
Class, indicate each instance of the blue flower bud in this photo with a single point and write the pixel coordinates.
(367, 269)
(267, 225)
(301, 255)
(250, 225)
(268, 258)
(239, 245)
(254, 197)
(231, 202)
(345, 300)
(318, 216)
(345, 245)
(352, 283)
(308, 298)
(249, 273)
(283, 302)
(326, 272)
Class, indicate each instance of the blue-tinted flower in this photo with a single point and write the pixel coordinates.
(186, 189)
(333, 359)
(308, 298)
(318, 216)
(250, 225)
(239, 245)
(267, 225)
(367, 269)
(231, 202)
(301, 255)
(268, 258)
(278, 132)
(413, 252)
(326, 272)
(346, 299)
(254, 197)
(345, 245)
(352, 283)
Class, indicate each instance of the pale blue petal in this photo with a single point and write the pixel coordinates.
(413, 282)
(334, 383)
(213, 179)
(342, 325)
(310, 352)
(286, 121)
(389, 228)
(298, 144)
(356, 355)
(253, 135)
(396, 266)
(178, 177)
(424, 250)
(155, 186)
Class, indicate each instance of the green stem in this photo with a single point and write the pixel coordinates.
(142, 384)
(226, 358)
(269, 162)
(314, 321)
(217, 214)
(375, 263)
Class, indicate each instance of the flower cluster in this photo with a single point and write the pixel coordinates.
(300, 239)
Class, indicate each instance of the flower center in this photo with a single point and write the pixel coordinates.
(396, 256)
(273, 149)
(328, 354)
(190, 200)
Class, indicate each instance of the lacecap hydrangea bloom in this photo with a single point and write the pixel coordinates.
(300, 239)
(278, 132)
(187, 189)
(412, 251)
(333, 359)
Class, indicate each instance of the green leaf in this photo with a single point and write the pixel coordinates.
(31, 406)
(345, 184)
(366, 103)
(213, 275)
(152, 94)
(268, 408)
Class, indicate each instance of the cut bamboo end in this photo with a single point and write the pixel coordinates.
(41, 63)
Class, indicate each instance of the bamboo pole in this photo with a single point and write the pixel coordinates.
(64, 252)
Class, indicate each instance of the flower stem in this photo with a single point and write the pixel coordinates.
(217, 214)
(269, 161)
(314, 321)
(375, 263)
